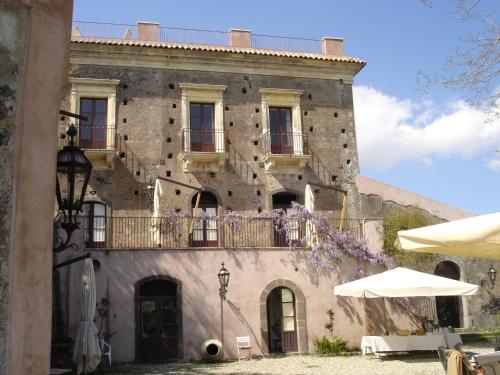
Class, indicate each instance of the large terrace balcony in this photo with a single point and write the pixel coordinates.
(186, 232)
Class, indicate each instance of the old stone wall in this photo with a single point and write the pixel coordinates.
(475, 311)
(149, 115)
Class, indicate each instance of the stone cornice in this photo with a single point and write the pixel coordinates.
(143, 57)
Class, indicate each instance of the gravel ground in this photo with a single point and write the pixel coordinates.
(295, 365)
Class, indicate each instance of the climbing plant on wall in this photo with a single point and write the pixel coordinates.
(402, 218)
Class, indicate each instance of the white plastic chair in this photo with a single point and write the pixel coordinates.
(106, 351)
(243, 342)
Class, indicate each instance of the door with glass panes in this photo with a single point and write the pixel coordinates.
(205, 225)
(201, 123)
(281, 321)
(281, 132)
(94, 221)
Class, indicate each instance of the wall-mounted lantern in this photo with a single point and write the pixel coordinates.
(73, 174)
(492, 274)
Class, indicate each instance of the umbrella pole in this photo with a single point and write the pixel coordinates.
(191, 227)
(342, 214)
(384, 308)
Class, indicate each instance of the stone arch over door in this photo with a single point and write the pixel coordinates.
(300, 306)
(176, 287)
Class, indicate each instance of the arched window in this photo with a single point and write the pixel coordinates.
(94, 224)
(205, 229)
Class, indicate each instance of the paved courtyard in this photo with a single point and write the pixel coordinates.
(295, 365)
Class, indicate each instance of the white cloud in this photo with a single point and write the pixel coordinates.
(494, 165)
(391, 130)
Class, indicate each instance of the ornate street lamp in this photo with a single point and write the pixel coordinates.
(223, 280)
(492, 273)
(223, 276)
(72, 167)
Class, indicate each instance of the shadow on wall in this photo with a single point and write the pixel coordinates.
(237, 312)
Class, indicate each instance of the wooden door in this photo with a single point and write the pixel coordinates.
(281, 130)
(289, 326)
(93, 130)
(201, 125)
(158, 335)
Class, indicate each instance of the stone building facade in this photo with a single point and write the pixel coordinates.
(181, 128)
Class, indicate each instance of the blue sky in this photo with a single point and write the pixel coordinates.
(426, 142)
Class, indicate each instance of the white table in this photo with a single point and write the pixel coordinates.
(379, 344)
(490, 362)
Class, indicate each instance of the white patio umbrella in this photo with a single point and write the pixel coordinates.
(87, 352)
(477, 236)
(403, 282)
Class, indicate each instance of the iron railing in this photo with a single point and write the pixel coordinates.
(92, 137)
(287, 143)
(204, 140)
(286, 43)
(133, 164)
(196, 36)
(184, 232)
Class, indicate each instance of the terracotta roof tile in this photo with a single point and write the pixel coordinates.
(214, 48)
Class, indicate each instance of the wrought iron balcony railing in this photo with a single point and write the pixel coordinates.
(204, 140)
(183, 232)
(284, 143)
(94, 137)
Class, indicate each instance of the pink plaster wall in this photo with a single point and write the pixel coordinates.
(251, 271)
(43, 73)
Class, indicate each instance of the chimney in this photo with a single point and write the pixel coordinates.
(332, 46)
(240, 38)
(148, 31)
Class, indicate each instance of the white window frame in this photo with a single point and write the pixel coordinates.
(98, 89)
(207, 94)
(272, 97)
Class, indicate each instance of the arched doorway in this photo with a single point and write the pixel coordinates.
(205, 230)
(283, 318)
(283, 201)
(158, 319)
(448, 307)
(281, 321)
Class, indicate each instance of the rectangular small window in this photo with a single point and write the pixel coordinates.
(201, 124)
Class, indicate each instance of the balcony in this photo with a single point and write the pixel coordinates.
(98, 142)
(204, 150)
(174, 232)
(284, 152)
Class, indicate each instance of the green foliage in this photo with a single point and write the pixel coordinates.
(335, 345)
(399, 218)
(332, 345)
(329, 325)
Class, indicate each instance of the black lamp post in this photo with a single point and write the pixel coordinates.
(72, 167)
(492, 273)
(223, 276)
